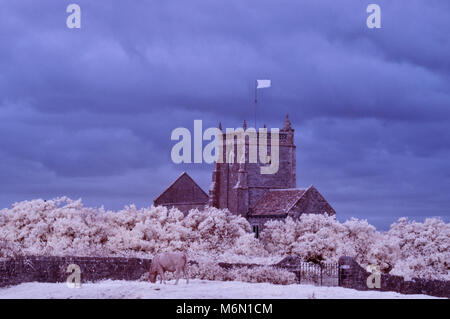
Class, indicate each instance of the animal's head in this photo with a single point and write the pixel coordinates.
(152, 276)
(152, 272)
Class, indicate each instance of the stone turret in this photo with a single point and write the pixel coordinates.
(241, 188)
(289, 151)
(214, 188)
(287, 125)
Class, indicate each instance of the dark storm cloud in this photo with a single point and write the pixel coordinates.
(88, 113)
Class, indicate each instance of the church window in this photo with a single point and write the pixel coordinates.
(256, 230)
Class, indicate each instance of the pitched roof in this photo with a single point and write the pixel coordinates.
(183, 176)
(293, 201)
(277, 201)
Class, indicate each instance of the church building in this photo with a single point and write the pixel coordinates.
(243, 190)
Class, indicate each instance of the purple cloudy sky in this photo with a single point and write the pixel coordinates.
(88, 113)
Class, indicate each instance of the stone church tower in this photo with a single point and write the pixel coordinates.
(238, 186)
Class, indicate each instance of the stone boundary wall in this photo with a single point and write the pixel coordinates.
(53, 269)
(352, 275)
(228, 266)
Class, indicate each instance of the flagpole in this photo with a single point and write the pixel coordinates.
(260, 84)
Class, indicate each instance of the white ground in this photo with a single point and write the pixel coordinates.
(195, 289)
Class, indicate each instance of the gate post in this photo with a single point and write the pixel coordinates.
(346, 272)
(321, 270)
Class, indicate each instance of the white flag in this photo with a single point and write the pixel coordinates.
(261, 84)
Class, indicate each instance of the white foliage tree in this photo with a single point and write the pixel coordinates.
(65, 227)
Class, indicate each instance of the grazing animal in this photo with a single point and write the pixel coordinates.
(173, 262)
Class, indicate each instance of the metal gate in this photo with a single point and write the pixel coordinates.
(317, 274)
(320, 274)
